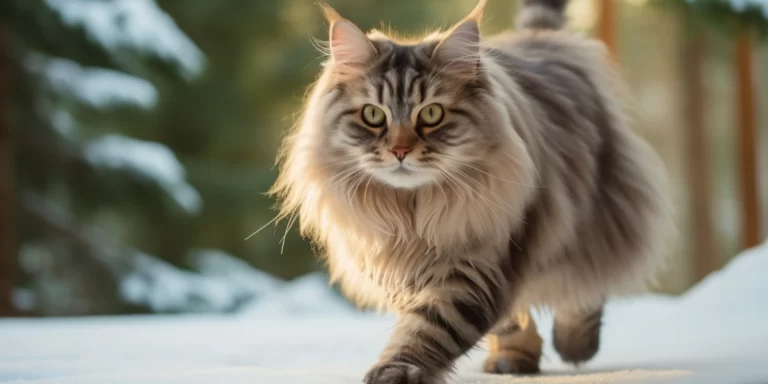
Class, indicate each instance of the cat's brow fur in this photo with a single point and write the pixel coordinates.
(547, 200)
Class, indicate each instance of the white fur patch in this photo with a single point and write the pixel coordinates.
(405, 177)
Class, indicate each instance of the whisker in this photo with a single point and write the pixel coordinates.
(480, 185)
(341, 177)
(346, 180)
(365, 190)
(339, 163)
(352, 191)
(486, 225)
(287, 228)
(504, 203)
(465, 164)
(443, 191)
(262, 227)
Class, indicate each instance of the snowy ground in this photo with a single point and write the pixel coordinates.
(714, 334)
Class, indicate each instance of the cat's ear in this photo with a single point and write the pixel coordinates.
(349, 45)
(459, 51)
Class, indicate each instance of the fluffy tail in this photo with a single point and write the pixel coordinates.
(542, 14)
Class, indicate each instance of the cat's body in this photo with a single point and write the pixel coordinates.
(458, 182)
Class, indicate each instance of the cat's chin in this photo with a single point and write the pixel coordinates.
(405, 179)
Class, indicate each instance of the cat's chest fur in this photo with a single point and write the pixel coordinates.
(391, 238)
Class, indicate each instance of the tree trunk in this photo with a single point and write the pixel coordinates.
(606, 28)
(703, 236)
(7, 189)
(747, 142)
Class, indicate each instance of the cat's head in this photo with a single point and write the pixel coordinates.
(407, 114)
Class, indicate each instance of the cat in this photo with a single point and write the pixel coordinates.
(459, 181)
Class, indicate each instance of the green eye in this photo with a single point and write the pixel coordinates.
(374, 116)
(431, 115)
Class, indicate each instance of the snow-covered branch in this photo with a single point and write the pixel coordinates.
(149, 160)
(96, 87)
(139, 25)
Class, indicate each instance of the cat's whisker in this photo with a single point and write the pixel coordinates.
(291, 221)
(338, 180)
(494, 212)
(342, 177)
(445, 196)
(471, 195)
(503, 204)
(466, 164)
(481, 186)
(344, 162)
(353, 190)
(367, 184)
(276, 218)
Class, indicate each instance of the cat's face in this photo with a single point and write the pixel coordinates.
(406, 115)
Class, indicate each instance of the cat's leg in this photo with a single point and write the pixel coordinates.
(441, 322)
(576, 334)
(514, 346)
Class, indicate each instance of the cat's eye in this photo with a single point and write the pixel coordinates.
(374, 116)
(431, 115)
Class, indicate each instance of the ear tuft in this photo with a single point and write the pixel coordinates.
(477, 13)
(330, 14)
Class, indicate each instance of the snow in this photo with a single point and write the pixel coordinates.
(741, 5)
(719, 292)
(304, 296)
(214, 263)
(139, 25)
(96, 87)
(151, 160)
(23, 299)
(63, 122)
(218, 283)
(712, 334)
(165, 288)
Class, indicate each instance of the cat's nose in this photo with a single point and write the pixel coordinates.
(400, 152)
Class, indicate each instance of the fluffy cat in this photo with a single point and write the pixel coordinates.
(459, 181)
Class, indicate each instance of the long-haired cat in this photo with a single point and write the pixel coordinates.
(459, 181)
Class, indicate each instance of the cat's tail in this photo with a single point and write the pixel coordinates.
(541, 14)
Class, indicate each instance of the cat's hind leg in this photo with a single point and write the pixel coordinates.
(515, 346)
(576, 335)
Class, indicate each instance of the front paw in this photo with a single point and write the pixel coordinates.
(399, 373)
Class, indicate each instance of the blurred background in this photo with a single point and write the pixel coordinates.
(137, 138)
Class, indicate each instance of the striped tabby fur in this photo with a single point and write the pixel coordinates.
(531, 192)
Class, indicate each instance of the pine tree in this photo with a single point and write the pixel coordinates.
(728, 16)
(740, 22)
(84, 73)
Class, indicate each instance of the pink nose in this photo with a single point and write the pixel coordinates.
(400, 152)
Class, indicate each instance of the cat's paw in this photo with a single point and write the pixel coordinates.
(579, 343)
(577, 348)
(509, 363)
(399, 373)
